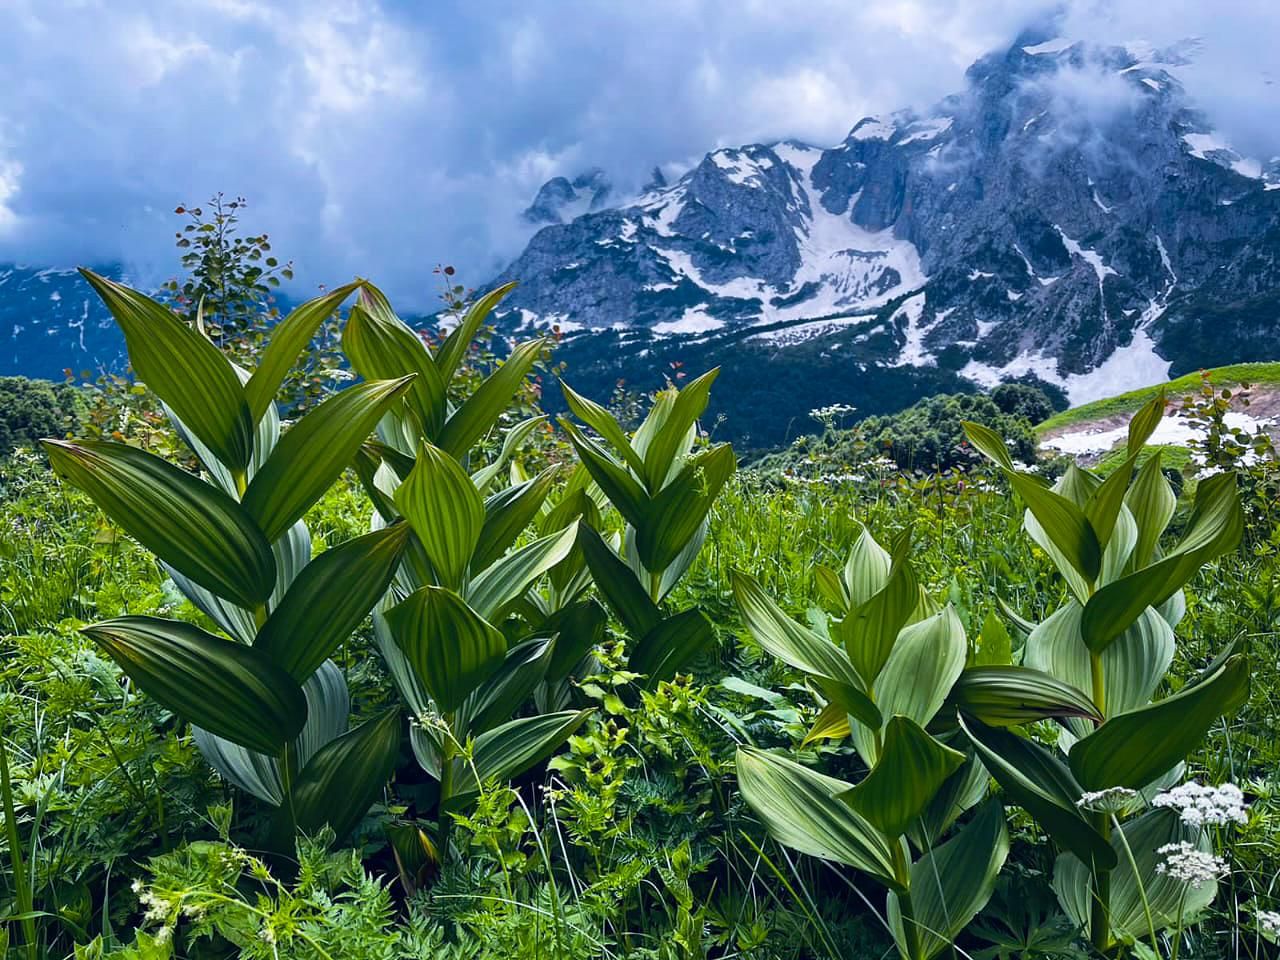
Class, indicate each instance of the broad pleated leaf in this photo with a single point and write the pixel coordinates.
(445, 510)
(1165, 896)
(339, 783)
(225, 687)
(911, 769)
(599, 419)
(1106, 502)
(1041, 784)
(989, 443)
(831, 589)
(687, 407)
(925, 663)
(1132, 749)
(1144, 423)
(480, 411)
(382, 347)
(314, 452)
(671, 645)
(495, 700)
(329, 599)
(1215, 527)
(185, 370)
(866, 571)
(799, 807)
(510, 443)
(579, 627)
(1151, 501)
(1064, 523)
(289, 338)
(952, 882)
(832, 724)
(674, 516)
(512, 748)
(1008, 695)
(494, 588)
(454, 348)
(869, 631)
(451, 649)
(622, 489)
(507, 514)
(192, 526)
(618, 585)
(328, 709)
(801, 648)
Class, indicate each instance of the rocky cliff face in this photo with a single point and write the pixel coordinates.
(1070, 215)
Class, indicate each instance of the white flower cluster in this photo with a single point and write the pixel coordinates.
(826, 479)
(831, 411)
(1110, 800)
(1269, 921)
(1184, 862)
(1201, 806)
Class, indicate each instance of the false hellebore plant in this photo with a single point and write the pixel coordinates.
(1113, 640)
(663, 488)
(466, 640)
(886, 670)
(268, 707)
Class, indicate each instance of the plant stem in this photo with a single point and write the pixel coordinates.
(1137, 876)
(910, 930)
(1099, 682)
(21, 887)
(1100, 909)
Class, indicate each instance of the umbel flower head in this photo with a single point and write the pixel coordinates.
(1110, 800)
(1202, 806)
(1184, 862)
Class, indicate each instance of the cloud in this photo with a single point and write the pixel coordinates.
(381, 137)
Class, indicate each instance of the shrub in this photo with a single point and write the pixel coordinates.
(31, 409)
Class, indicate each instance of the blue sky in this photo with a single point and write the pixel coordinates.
(383, 136)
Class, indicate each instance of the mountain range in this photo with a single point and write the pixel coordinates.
(1069, 217)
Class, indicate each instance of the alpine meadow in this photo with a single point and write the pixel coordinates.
(855, 553)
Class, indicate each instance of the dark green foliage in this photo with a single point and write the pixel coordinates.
(31, 409)
(1026, 401)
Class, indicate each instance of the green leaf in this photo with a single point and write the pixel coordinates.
(995, 646)
(673, 517)
(1214, 528)
(289, 338)
(184, 369)
(345, 776)
(952, 882)
(687, 407)
(451, 649)
(867, 569)
(1151, 501)
(1041, 784)
(618, 585)
(1007, 695)
(622, 489)
(989, 443)
(832, 724)
(382, 347)
(870, 630)
(1105, 504)
(329, 599)
(1064, 523)
(599, 419)
(495, 700)
(507, 513)
(670, 645)
(314, 452)
(445, 510)
(831, 588)
(1144, 423)
(231, 690)
(512, 748)
(192, 526)
(1132, 749)
(510, 443)
(494, 588)
(799, 807)
(924, 665)
(911, 769)
(454, 348)
(578, 628)
(801, 648)
(480, 411)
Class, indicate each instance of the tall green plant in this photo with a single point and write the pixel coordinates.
(454, 625)
(664, 487)
(885, 669)
(1113, 640)
(268, 706)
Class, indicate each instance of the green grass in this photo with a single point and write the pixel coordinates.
(1254, 373)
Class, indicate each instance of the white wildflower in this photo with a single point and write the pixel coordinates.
(1269, 921)
(136, 886)
(1184, 862)
(1201, 806)
(164, 934)
(1110, 800)
(266, 934)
